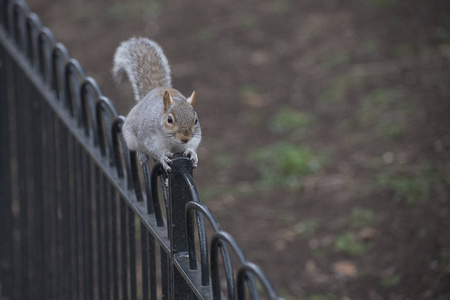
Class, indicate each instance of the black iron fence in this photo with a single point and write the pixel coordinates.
(79, 217)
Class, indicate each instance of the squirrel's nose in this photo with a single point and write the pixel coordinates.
(184, 138)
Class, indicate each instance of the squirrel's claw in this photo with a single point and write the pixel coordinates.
(192, 157)
(166, 161)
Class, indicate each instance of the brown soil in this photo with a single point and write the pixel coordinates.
(372, 219)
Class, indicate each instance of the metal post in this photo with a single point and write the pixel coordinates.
(179, 196)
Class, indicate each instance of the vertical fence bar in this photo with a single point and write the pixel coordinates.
(78, 238)
(179, 196)
(22, 120)
(30, 181)
(46, 183)
(98, 229)
(50, 222)
(115, 244)
(65, 271)
(124, 248)
(144, 261)
(152, 266)
(15, 201)
(106, 239)
(72, 219)
(88, 227)
(6, 217)
(132, 253)
(165, 283)
(58, 212)
(38, 238)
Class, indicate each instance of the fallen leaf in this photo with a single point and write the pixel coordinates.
(345, 268)
(310, 266)
(367, 233)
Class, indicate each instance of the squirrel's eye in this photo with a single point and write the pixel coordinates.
(169, 120)
(196, 120)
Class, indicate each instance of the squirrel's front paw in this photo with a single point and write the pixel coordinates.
(166, 161)
(192, 157)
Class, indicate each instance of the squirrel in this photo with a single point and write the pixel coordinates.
(163, 122)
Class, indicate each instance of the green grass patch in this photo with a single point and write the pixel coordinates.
(391, 280)
(338, 59)
(281, 7)
(288, 120)
(223, 161)
(238, 190)
(131, 9)
(116, 11)
(286, 164)
(390, 130)
(444, 256)
(361, 217)
(321, 297)
(423, 232)
(443, 34)
(286, 294)
(409, 188)
(341, 88)
(307, 227)
(249, 21)
(380, 3)
(205, 34)
(404, 50)
(249, 90)
(385, 112)
(320, 252)
(349, 243)
(85, 13)
(369, 47)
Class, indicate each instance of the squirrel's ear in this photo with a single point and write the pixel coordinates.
(167, 100)
(191, 100)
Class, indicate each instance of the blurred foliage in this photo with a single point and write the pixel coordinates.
(116, 11)
(223, 161)
(349, 243)
(307, 227)
(288, 120)
(361, 217)
(390, 280)
(412, 188)
(321, 297)
(286, 164)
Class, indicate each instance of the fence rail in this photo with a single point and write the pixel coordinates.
(80, 218)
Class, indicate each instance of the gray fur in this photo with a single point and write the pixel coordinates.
(144, 63)
(145, 129)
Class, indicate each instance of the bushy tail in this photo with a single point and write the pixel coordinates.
(145, 65)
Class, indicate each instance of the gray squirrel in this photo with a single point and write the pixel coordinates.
(163, 122)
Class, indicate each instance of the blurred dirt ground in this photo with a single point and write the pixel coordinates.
(326, 127)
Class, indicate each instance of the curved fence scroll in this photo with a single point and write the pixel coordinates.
(80, 217)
